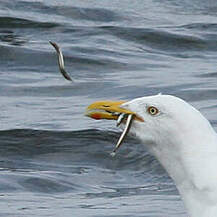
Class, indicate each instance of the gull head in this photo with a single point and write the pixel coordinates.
(158, 120)
(179, 136)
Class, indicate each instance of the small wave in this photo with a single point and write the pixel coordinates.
(207, 75)
(14, 22)
(166, 39)
(89, 14)
(77, 146)
(201, 26)
(52, 162)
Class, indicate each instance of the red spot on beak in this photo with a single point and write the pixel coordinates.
(96, 116)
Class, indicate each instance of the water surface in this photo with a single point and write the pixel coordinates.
(54, 161)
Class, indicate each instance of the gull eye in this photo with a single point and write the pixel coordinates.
(152, 110)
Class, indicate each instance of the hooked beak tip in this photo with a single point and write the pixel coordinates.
(110, 110)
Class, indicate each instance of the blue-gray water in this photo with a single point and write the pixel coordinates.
(56, 162)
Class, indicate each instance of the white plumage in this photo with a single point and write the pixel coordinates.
(185, 143)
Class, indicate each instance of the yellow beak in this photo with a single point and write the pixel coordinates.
(110, 110)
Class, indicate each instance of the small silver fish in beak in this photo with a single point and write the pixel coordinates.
(124, 133)
(120, 119)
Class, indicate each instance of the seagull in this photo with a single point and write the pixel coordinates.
(181, 139)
